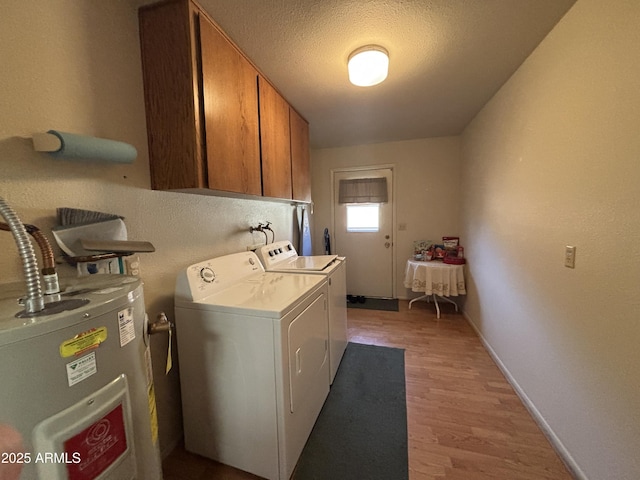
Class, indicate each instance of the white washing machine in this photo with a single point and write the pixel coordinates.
(282, 257)
(76, 382)
(254, 368)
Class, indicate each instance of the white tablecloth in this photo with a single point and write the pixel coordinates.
(435, 277)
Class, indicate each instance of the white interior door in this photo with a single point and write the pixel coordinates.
(363, 232)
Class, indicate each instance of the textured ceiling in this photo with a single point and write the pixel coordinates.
(447, 59)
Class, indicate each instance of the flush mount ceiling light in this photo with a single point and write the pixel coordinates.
(368, 66)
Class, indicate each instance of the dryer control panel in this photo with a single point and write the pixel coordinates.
(281, 256)
(276, 252)
(205, 278)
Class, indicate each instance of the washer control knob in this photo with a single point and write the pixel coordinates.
(207, 275)
(252, 261)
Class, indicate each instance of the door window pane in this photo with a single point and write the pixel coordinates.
(363, 218)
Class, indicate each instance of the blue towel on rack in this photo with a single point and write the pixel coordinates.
(305, 236)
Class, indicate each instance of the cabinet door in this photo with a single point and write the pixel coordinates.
(230, 101)
(171, 97)
(275, 145)
(300, 161)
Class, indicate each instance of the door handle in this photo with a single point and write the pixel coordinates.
(387, 244)
(298, 363)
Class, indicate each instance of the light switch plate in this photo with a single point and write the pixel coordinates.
(570, 256)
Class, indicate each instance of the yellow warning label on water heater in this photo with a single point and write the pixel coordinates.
(83, 342)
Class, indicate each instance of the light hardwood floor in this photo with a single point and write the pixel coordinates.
(465, 422)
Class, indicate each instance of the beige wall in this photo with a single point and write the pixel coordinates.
(75, 66)
(553, 160)
(427, 191)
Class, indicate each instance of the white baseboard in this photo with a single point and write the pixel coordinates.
(558, 446)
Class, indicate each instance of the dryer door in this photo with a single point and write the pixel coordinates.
(306, 343)
(308, 354)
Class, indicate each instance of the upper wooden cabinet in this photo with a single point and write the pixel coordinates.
(275, 142)
(213, 121)
(300, 160)
(171, 93)
(230, 101)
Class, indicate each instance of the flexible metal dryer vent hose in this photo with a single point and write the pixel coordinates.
(35, 300)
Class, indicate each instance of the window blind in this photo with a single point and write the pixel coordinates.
(363, 190)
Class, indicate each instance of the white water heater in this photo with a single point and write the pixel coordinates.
(76, 382)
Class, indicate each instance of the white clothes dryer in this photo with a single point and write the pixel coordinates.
(254, 368)
(282, 257)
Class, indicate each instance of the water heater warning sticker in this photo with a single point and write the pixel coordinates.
(83, 342)
(126, 326)
(99, 446)
(81, 368)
